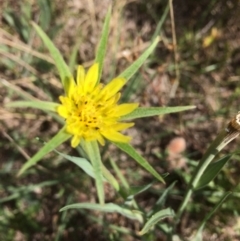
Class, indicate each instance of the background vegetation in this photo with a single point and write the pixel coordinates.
(207, 58)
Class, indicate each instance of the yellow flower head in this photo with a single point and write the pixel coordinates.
(91, 110)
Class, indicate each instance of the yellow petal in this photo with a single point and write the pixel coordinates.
(91, 78)
(70, 86)
(113, 87)
(62, 99)
(62, 111)
(100, 139)
(95, 135)
(115, 136)
(122, 126)
(124, 109)
(75, 141)
(65, 101)
(80, 75)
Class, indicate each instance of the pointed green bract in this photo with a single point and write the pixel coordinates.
(111, 179)
(134, 67)
(88, 169)
(211, 171)
(27, 96)
(165, 213)
(92, 150)
(80, 162)
(138, 158)
(153, 111)
(108, 208)
(63, 69)
(42, 105)
(74, 54)
(57, 140)
(160, 23)
(119, 174)
(102, 46)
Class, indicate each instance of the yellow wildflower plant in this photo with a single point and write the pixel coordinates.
(92, 113)
(91, 110)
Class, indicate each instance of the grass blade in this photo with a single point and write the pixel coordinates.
(208, 216)
(162, 199)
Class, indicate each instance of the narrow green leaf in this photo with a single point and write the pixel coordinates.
(108, 208)
(57, 140)
(46, 13)
(92, 150)
(74, 54)
(211, 172)
(162, 199)
(129, 194)
(160, 23)
(100, 55)
(63, 220)
(139, 189)
(63, 69)
(153, 111)
(42, 105)
(198, 236)
(138, 158)
(80, 162)
(134, 67)
(168, 212)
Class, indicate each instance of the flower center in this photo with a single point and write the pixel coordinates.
(87, 112)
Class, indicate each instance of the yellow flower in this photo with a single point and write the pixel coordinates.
(91, 110)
